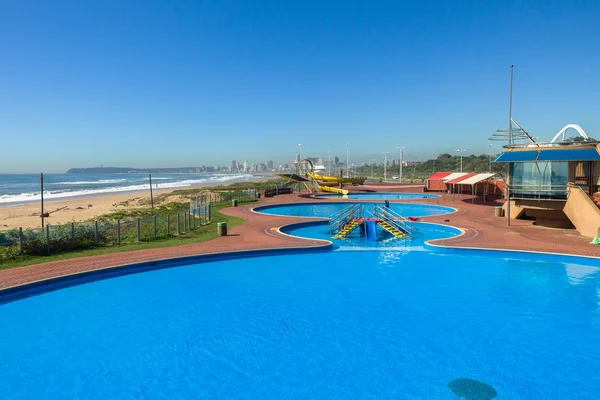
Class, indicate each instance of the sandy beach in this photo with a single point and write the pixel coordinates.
(70, 209)
(77, 209)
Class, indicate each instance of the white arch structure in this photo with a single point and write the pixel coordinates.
(566, 128)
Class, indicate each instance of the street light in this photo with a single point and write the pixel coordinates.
(347, 160)
(461, 151)
(385, 153)
(401, 159)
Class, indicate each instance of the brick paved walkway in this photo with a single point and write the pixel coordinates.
(482, 230)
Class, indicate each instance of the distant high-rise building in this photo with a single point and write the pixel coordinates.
(245, 165)
(233, 166)
(262, 167)
(270, 164)
(298, 157)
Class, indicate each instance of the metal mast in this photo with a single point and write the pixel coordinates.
(510, 138)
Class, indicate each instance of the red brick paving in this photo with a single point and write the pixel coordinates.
(482, 230)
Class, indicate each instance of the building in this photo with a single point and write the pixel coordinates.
(336, 160)
(270, 164)
(245, 165)
(556, 183)
(233, 166)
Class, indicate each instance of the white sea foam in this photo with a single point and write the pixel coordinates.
(101, 181)
(58, 194)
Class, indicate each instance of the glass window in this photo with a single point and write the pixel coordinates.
(540, 180)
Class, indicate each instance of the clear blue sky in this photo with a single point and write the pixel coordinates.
(174, 83)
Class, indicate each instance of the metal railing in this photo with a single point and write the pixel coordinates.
(396, 220)
(537, 192)
(338, 220)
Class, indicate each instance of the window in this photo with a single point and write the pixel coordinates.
(545, 180)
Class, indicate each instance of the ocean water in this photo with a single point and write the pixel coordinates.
(20, 188)
(333, 325)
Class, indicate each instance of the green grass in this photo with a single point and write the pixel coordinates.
(200, 234)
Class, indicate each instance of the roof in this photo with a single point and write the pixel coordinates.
(557, 154)
(569, 155)
(453, 175)
(438, 176)
(517, 156)
(477, 178)
(460, 178)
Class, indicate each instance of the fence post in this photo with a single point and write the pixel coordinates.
(168, 225)
(178, 227)
(138, 229)
(209, 215)
(96, 232)
(48, 238)
(155, 227)
(72, 235)
(119, 231)
(20, 241)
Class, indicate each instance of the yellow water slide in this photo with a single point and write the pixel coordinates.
(333, 190)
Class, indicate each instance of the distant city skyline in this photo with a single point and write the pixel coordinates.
(191, 83)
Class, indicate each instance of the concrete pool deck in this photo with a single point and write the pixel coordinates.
(482, 230)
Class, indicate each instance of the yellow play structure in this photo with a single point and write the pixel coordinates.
(321, 183)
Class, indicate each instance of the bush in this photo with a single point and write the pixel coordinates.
(8, 252)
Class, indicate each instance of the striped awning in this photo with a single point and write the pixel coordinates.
(476, 178)
(438, 176)
(453, 175)
(460, 179)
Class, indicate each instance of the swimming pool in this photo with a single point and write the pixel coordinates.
(325, 325)
(326, 210)
(421, 232)
(379, 196)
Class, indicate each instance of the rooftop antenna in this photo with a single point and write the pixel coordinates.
(519, 133)
(510, 138)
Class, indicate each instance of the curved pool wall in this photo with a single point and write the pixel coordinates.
(326, 210)
(378, 196)
(423, 232)
(353, 324)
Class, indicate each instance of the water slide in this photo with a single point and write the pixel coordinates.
(334, 180)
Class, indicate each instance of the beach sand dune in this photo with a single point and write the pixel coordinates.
(74, 209)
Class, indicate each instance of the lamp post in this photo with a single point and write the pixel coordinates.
(401, 160)
(301, 146)
(385, 153)
(347, 160)
(461, 151)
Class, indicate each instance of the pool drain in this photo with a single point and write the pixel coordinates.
(471, 389)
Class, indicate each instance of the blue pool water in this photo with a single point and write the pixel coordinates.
(332, 325)
(421, 233)
(380, 196)
(325, 210)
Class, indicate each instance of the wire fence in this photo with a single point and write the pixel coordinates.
(54, 239)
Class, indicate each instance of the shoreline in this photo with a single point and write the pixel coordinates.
(22, 202)
(84, 207)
